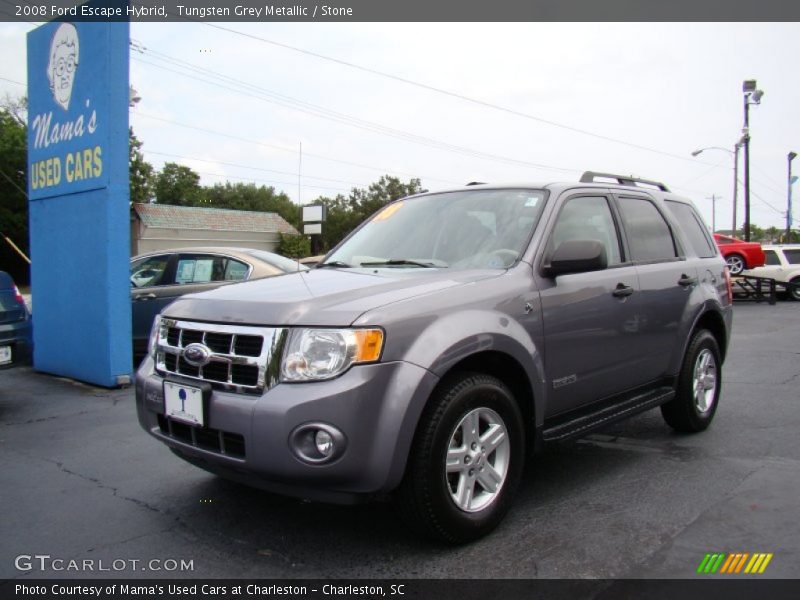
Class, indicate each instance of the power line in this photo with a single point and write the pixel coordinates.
(322, 112)
(12, 81)
(292, 150)
(230, 164)
(444, 92)
(270, 181)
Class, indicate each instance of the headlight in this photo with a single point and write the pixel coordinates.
(315, 354)
(152, 343)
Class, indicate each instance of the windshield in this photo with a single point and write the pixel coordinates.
(458, 230)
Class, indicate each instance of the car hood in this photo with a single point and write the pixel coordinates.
(319, 297)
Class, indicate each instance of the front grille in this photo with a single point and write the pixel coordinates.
(241, 358)
(212, 440)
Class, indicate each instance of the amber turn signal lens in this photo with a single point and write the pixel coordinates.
(370, 343)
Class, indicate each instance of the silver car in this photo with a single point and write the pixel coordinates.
(158, 278)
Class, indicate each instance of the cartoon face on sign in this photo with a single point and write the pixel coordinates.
(64, 53)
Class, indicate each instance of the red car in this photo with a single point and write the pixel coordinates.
(738, 254)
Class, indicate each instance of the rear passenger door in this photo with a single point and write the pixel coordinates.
(666, 278)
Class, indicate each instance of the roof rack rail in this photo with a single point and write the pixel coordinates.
(629, 180)
(477, 183)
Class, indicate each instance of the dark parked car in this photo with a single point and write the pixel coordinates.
(445, 340)
(158, 278)
(16, 338)
(738, 254)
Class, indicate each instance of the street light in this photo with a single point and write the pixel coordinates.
(791, 156)
(752, 95)
(735, 154)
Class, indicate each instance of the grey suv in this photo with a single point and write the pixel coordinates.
(442, 342)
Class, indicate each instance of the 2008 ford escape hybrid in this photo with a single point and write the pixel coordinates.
(444, 341)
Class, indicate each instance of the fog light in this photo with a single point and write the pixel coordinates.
(324, 443)
(317, 443)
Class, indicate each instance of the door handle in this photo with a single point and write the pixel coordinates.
(150, 296)
(622, 291)
(685, 280)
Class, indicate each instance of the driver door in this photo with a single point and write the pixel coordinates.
(591, 319)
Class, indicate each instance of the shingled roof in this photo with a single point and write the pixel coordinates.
(164, 216)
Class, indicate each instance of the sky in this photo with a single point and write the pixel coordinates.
(451, 103)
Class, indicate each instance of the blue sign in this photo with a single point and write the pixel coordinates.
(78, 94)
(69, 120)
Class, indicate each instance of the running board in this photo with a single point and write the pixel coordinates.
(580, 425)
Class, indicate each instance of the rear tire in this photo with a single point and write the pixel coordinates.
(466, 460)
(736, 263)
(699, 384)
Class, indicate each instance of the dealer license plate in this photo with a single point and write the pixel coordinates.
(184, 403)
(5, 355)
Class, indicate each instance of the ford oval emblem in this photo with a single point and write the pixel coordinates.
(197, 355)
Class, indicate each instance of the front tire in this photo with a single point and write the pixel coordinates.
(466, 461)
(699, 384)
(794, 290)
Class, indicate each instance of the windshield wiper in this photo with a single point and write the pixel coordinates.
(336, 264)
(402, 261)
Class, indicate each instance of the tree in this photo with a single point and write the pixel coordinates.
(13, 185)
(247, 196)
(294, 246)
(179, 185)
(142, 174)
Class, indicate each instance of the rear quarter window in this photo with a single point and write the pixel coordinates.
(792, 256)
(693, 228)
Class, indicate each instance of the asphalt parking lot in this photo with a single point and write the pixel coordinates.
(80, 480)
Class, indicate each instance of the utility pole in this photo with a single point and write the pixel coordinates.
(714, 199)
(791, 156)
(299, 174)
(752, 95)
(735, 182)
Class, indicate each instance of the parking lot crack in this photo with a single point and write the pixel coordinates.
(99, 484)
(44, 419)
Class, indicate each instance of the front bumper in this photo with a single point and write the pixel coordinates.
(376, 406)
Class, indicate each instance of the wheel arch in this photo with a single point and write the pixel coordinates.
(507, 369)
(713, 321)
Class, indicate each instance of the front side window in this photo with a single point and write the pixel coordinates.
(471, 229)
(649, 236)
(587, 218)
(147, 272)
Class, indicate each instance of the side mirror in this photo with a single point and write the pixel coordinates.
(577, 256)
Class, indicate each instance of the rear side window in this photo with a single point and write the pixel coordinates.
(792, 256)
(649, 236)
(204, 269)
(693, 228)
(772, 258)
